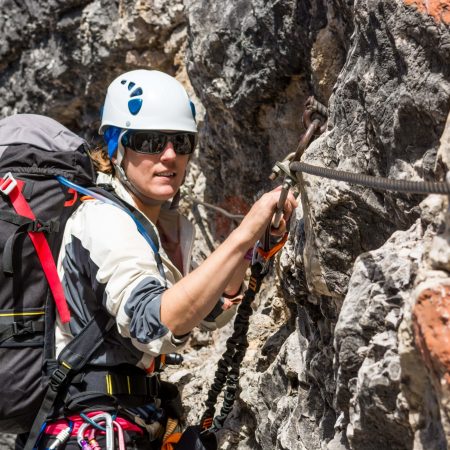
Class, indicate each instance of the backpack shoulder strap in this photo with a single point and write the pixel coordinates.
(143, 224)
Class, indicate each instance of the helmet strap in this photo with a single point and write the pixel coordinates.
(120, 153)
(120, 173)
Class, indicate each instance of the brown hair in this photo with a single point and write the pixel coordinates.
(101, 161)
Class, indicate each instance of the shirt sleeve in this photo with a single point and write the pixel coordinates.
(223, 313)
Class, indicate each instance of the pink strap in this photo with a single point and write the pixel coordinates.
(55, 427)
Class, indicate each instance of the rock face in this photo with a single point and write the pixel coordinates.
(369, 371)
(350, 382)
(346, 344)
(249, 62)
(58, 57)
(381, 124)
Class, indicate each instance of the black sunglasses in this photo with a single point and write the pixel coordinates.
(153, 142)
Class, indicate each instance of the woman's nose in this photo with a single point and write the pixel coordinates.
(168, 152)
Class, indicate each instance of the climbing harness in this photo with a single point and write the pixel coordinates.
(85, 430)
(227, 373)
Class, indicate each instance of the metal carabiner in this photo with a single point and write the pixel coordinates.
(287, 184)
(108, 426)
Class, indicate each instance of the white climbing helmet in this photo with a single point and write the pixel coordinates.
(148, 100)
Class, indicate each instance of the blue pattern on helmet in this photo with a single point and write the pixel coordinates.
(135, 104)
(193, 110)
(136, 92)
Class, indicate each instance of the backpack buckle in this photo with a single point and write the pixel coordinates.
(58, 377)
(52, 226)
(21, 329)
(8, 184)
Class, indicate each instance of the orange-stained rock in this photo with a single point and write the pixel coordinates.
(431, 317)
(438, 9)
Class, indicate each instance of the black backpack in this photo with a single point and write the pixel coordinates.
(34, 208)
(44, 169)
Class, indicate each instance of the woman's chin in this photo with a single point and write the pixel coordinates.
(162, 194)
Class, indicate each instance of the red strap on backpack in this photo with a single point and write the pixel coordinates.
(13, 189)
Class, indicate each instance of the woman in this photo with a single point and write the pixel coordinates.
(149, 125)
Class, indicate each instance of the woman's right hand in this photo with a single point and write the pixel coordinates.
(258, 218)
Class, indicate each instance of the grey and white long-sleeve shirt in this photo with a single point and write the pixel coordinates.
(105, 262)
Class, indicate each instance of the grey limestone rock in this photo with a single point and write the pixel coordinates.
(381, 123)
(332, 362)
(57, 57)
(368, 376)
(248, 61)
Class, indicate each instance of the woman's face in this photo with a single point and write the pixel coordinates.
(156, 176)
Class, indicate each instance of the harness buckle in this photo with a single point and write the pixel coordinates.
(153, 385)
(8, 184)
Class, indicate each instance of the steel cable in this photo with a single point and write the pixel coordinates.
(316, 106)
(236, 217)
(388, 184)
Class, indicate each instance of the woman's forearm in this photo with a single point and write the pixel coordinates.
(192, 298)
(234, 285)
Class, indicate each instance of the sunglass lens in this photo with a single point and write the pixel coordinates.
(155, 142)
(148, 142)
(182, 143)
